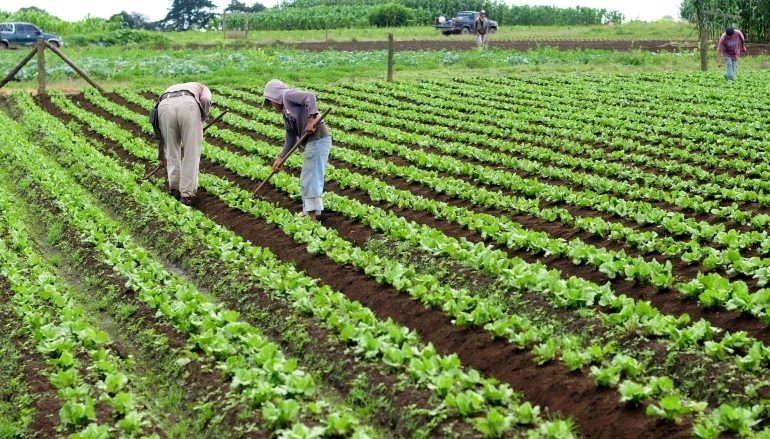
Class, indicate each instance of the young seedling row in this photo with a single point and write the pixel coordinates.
(541, 258)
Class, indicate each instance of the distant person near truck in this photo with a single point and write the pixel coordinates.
(730, 47)
(464, 23)
(481, 27)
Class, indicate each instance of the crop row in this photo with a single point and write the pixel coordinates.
(737, 298)
(460, 393)
(246, 163)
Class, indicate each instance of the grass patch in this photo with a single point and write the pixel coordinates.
(142, 67)
(633, 30)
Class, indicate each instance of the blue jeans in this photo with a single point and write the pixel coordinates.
(732, 66)
(311, 179)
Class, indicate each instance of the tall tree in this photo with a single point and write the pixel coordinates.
(32, 9)
(132, 20)
(185, 14)
(751, 16)
(257, 7)
(236, 6)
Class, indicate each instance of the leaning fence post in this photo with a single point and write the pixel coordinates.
(390, 57)
(18, 67)
(40, 67)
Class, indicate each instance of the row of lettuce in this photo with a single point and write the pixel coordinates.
(608, 367)
(287, 397)
(711, 243)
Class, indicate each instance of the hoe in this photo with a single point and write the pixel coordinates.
(293, 148)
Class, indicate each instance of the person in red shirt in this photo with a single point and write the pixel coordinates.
(730, 47)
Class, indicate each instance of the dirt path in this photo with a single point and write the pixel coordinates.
(461, 43)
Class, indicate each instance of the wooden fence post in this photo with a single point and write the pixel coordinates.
(704, 29)
(18, 67)
(40, 67)
(390, 57)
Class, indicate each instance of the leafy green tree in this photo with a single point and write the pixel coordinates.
(131, 20)
(391, 14)
(34, 9)
(257, 7)
(754, 19)
(236, 6)
(185, 14)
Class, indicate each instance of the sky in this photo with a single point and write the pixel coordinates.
(74, 10)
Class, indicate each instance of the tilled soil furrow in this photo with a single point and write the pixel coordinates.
(669, 301)
(542, 385)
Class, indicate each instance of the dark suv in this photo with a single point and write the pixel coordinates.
(462, 24)
(24, 34)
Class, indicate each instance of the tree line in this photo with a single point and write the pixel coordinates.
(754, 15)
(315, 14)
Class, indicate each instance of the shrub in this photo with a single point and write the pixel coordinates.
(118, 37)
(391, 14)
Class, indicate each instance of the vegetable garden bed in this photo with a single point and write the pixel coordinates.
(582, 255)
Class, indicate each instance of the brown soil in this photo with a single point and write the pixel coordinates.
(382, 383)
(551, 385)
(459, 43)
(45, 403)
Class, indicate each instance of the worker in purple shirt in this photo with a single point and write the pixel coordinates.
(300, 111)
(730, 47)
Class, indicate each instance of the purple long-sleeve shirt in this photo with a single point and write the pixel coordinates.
(731, 46)
(297, 107)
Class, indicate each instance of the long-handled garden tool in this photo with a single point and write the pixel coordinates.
(151, 173)
(293, 148)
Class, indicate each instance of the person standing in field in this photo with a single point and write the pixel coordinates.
(730, 47)
(300, 111)
(481, 27)
(181, 110)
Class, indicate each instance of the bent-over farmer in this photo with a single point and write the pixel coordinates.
(730, 47)
(299, 110)
(182, 108)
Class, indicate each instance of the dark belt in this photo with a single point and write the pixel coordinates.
(174, 94)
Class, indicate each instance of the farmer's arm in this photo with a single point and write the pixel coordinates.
(720, 49)
(291, 139)
(205, 99)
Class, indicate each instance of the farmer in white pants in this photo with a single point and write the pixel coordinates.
(481, 27)
(182, 109)
(300, 111)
